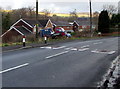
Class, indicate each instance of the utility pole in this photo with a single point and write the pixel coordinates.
(90, 17)
(36, 18)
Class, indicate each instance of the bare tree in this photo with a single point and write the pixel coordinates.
(110, 8)
(31, 11)
(95, 19)
(23, 13)
(46, 13)
(73, 15)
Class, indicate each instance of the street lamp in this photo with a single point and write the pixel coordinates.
(36, 18)
(90, 17)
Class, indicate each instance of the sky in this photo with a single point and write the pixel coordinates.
(61, 6)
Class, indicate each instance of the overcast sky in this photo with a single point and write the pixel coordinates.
(61, 6)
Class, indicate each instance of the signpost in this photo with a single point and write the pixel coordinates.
(90, 17)
(36, 18)
(24, 41)
(45, 38)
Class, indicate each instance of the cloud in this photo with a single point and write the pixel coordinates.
(79, 0)
(58, 6)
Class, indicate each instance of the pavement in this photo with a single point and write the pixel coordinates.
(112, 78)
(66, 64)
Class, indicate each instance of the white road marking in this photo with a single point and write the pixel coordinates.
(46, 47)
(95, 51)
(59, 47)
(74, 49)
(83, 49)
(109, 52)
(85, 46)
(57, 54)
(13, 68)
(98, 43)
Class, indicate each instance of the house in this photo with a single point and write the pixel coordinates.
(26, 27)
(84, 25)
(74, 26)
(68, 26)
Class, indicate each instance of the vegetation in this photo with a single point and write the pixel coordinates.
(103, 22)
(115, 20)
(6, 21)
(73, 15)
(110, 8)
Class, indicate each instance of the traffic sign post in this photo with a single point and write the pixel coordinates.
(45, 38)
(23, 41)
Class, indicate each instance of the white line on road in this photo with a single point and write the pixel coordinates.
(84, 49)
(57, 54)
(59, 47)
(10, 69)
(46, 47)
(107, 52)
(74, 49)
(85, 46)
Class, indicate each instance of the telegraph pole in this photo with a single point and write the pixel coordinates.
(36, 18)
(90, 17)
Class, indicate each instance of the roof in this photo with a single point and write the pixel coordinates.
(87, 23)
(43, 22)
(61, 23)
(33, 22)
(23, 30)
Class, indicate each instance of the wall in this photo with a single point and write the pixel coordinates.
(8, 37)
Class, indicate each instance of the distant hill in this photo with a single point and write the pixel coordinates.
(67, 14)
(60, 14)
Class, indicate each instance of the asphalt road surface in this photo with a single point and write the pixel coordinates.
(71, 64)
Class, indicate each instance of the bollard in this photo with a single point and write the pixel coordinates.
(23, 41)
(45, 38)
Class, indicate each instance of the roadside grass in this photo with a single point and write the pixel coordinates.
(10, 44)
(41, 40)
(48, 40)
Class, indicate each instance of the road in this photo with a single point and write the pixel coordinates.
(70, 64)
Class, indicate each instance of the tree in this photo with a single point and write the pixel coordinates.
(27, 12)
(110, 8)
(73, 15)
(6, 22)
(95, 18)
(115, 20)
(46, 13)
(103, 22)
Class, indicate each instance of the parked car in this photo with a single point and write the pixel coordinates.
(68, 35)
(46, 32)
(58, 32)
